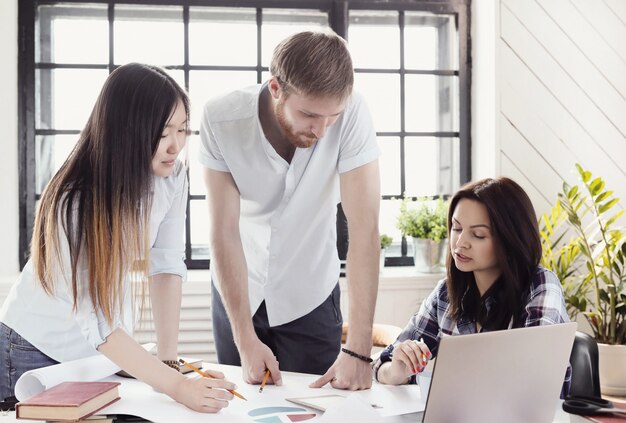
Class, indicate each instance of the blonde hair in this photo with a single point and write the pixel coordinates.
(315, 64)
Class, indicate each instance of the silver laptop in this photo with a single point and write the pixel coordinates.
(512, 376)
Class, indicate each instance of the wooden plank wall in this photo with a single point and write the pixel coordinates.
(562, 87)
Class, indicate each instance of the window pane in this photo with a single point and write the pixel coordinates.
(200, 217)
(280, 23)
(389, 211)
(196, 169)
(73, 34)
(65, 97)
(389, 165)
(431, 166)
(431, 103)
(374, 39)
(430, 41)
(209, 27)
(382, 92)
(51, 151)
(148, 34)
(178, 75)
(204, 85)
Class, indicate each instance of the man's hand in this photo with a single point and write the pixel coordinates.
(256, 358)
(347, 373)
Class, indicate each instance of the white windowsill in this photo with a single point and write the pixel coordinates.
(199, 280)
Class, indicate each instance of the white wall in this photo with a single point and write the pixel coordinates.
(9, 265)
(562, 92)
(485, 101)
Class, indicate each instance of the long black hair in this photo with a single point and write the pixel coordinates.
(102, 195)
(517, 246)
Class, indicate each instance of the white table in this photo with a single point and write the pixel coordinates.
(135, 395)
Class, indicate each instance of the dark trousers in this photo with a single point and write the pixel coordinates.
(309, 344)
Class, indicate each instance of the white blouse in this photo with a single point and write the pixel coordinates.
(49, 322)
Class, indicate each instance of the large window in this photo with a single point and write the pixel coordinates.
(410, 58)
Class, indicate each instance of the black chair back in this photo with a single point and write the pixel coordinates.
(584, 362)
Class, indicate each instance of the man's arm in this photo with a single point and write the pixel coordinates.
(360, 199)
(165, 295)
(232, 275)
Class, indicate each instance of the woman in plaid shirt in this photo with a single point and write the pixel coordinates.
(493, 282)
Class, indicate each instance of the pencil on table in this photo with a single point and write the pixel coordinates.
(267, 375)
(200, 372)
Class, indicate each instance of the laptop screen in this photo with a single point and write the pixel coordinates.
(508, 376)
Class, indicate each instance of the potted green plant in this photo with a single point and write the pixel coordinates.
(426, 223)
(385, 242)
(584, 244)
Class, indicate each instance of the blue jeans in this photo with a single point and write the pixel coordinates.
(17, 356)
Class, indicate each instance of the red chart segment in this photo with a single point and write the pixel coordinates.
(300, 417)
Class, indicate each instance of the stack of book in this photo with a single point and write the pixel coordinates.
(69, 401)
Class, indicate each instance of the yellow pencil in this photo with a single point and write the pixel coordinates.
(200, 372)
(267, 375)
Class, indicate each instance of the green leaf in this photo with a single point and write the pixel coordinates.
(583, 173)
(612, 219)
(596, 186)
(583, 247)
(604, 296)
(603, 196)
(606, 206)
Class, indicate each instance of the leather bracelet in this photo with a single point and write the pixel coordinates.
(356, 355)
(172, 363)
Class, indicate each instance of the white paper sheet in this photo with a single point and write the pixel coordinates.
(356, 408)
(138, 398)
(84, 370)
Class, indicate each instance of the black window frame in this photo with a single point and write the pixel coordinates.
(338, 12)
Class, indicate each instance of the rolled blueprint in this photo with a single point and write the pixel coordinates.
(85, 369)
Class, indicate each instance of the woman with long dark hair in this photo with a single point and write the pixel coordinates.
(109, 227)
(494, 280)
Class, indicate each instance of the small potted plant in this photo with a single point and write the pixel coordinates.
(585, 246)
(426, 223)
(385, 242)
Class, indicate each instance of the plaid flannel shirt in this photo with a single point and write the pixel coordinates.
(545, 306)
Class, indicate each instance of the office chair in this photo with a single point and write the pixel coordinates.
(382, 335)
(584, 362)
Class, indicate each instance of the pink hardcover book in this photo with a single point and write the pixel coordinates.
(68, 401)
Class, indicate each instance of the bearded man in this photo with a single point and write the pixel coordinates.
(278, 157)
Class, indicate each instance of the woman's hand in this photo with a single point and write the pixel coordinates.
(203, 394)
(409, 357)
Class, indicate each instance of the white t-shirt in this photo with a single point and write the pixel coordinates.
(50, 324)
(288, 211)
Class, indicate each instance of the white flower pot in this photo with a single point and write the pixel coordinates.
(612, 369)
(428, 255)
(382, 260)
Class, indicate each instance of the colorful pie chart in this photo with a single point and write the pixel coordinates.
(280, 414)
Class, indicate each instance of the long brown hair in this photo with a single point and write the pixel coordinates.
(517, 246)
(102, 195)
